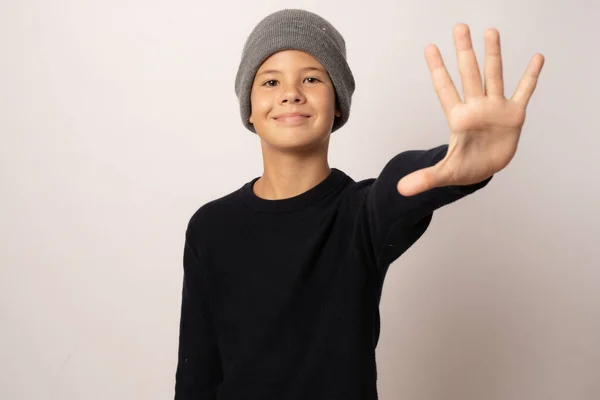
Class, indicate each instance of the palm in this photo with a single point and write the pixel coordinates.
(485, 127)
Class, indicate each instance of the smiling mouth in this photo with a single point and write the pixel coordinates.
(292, 119)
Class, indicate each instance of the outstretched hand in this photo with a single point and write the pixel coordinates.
(485, 127)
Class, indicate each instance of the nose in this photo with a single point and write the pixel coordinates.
(291, 94)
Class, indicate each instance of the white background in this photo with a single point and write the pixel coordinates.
(118, 119)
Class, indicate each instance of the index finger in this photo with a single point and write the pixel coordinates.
(442, 82)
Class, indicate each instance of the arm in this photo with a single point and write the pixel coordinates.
(199, 369)
(394, 222)
(484, 133)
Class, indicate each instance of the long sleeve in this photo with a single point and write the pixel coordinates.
(199, 368)
(394, 222)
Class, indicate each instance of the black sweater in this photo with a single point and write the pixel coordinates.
(281, 297)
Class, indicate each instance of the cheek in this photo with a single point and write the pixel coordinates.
(326, 100)
(260, 104)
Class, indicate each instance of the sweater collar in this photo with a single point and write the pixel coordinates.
(332, 182)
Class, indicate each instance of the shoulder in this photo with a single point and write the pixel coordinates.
(215, 213)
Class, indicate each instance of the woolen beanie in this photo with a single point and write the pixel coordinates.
(293, 29)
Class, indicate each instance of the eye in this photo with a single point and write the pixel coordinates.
(270, 83)
(313, 79)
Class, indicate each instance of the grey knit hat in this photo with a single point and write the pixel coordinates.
(293, 29)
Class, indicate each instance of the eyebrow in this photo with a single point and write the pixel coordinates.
(274, 71)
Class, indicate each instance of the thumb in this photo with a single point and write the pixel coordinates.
(419, 181)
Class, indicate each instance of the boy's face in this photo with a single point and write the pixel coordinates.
(292, 82)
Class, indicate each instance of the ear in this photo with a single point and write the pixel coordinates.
(250, 119)
(338, 109)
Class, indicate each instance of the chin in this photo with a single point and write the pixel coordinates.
(296, 137)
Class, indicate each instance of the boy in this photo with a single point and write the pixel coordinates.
(283, 277)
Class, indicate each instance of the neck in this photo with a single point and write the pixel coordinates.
(289, 174)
